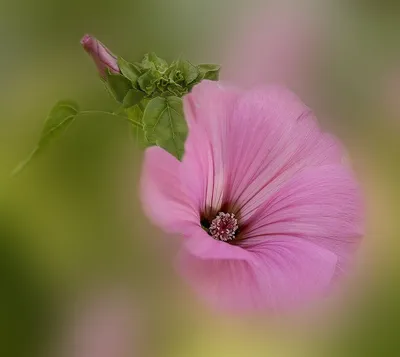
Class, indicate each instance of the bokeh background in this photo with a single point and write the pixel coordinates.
(72, 232)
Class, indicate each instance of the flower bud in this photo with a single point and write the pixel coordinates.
(101, 55)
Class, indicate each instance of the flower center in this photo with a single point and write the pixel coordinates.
(223, 227)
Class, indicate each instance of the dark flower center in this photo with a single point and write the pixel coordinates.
(223, 227)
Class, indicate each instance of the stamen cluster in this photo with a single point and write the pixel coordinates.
(224, 227)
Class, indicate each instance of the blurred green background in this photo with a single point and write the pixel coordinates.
(72, 222)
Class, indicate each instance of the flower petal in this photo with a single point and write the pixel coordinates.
(283, 273)
(243, 147)
(285, 139)
(163, 196)
(203, 246)
(208, 109)
(322, 205)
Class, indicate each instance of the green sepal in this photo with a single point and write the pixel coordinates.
(175, 90)
(131, 71)
(174, 73)
(164, 124)
(132, 98)
(189, 71)
(148, 81)
(208, 71)
(152, 61)
(117, 85)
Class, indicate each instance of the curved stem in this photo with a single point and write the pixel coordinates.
(89, 112)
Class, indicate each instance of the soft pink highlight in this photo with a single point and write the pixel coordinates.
(279, 42)
(105, 327)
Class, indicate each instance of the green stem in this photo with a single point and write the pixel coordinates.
(24, 163)
(93, 112)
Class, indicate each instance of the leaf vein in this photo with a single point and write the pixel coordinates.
(52, 129)
(158, 120)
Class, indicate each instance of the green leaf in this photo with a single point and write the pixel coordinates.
(135, 114)
(162, 84)
(209, 71)
(143, 103)
(118, 85)
(176, 90)
(174, 74)
(62, 114)
(152, 61)
(147, 81)
(189, 71)
(132, 98)
(164, 124)
(60, 117)
(129, 70)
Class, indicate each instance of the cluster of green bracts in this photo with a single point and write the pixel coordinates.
(149, 95)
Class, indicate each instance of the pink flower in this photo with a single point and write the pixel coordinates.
(268, 212)
(100, 54)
